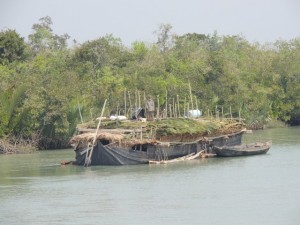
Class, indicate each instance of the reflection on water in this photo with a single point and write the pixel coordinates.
(264, 189)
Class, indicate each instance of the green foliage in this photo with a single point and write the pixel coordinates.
(105, 51)
(11, 113)
(42, 95)
(12, 47)
(43, 38)
(180, 126)
(139, 50)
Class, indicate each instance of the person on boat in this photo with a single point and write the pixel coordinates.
(150, 109)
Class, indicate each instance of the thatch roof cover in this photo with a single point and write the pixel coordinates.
(174, 129)
(89, 137)
(119, 138)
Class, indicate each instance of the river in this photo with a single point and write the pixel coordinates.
(254, 190)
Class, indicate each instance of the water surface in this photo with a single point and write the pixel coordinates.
(263, 189)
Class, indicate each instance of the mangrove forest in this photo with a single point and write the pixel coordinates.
(50, 84)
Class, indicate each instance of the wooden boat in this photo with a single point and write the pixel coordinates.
(243, 150)
(183, 158)
(114, 149)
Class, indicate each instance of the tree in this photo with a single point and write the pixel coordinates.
(13, 88)
(50, 102)
(12, 47)
(286, 66)
(139, 50)
(164, 37)
(104, 51)
(43, 38)
(191, 38)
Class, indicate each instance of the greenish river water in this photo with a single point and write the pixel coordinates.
(255, 190)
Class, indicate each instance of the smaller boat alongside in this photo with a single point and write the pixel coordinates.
(243, 150)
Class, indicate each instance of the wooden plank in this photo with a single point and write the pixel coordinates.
(112, 131)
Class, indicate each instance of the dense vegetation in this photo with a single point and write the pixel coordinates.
(48, 87)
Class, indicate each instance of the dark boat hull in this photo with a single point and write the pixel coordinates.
(242, 150)
(229, 140)
(112, 154)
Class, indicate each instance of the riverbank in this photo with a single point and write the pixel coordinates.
(182, 129)
(267, 125)
(20, 146)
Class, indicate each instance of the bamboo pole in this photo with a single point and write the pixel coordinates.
(130, 106)
(222, 113)
(166, 103)
(191, 96)
(91, 114)
(157, 112)
(170, 110)
(196, 102)
(188, 109)
(139, 100)
(79, 112)
(145, 102)
(89, 152)
(136, 103)
(174, 115)
(125, 110)
(178, 106)
(184, 107)
(216, 111)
